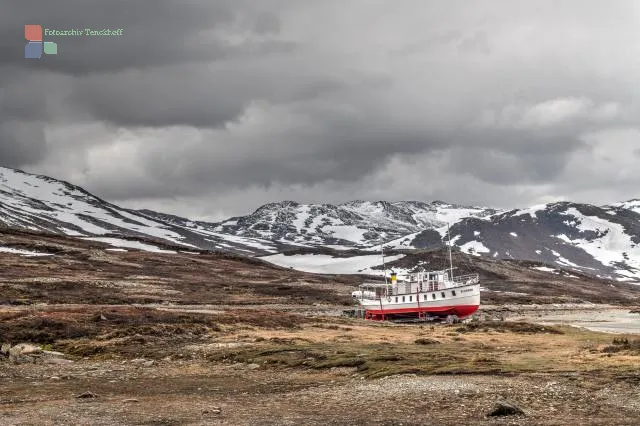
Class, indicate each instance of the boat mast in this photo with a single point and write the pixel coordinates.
(384, 267)
(450, 258)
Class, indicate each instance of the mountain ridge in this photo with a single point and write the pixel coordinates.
(601, 240)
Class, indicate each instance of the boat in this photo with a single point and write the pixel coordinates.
(424, 295)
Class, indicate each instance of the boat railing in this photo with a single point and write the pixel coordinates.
(455, 282)
(379, 290)
(466, 279)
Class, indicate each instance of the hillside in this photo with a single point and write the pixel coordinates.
(601, 241)
(46, 268)
(40, 203)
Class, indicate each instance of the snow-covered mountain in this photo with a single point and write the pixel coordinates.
(602, 241)
(355, 224)
(41, 203)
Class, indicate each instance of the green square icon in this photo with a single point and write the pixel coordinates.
(50, 48)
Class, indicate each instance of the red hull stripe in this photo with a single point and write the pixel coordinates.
(460, 310)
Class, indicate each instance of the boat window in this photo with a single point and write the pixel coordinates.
(443, 295)
(403, 298)
(433, 295)
(425, 297)
(453, 292)
(396, 299)
(410, 298)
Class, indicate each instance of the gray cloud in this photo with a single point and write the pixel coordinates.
(13, 151)
(164, 33)
(213, 107)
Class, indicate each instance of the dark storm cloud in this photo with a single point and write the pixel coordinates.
(23, 112)
(161, 32)
(207, 100)
(199, 96)
(155, 34)
(14, 152)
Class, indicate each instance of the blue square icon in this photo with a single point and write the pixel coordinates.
(33, 50)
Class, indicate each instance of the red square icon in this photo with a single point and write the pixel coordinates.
(33, 32)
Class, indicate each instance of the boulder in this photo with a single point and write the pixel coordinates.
(503, 408)
(52, 354)
(24, 353)
(25, 349)
(87, 395)
(56, 361)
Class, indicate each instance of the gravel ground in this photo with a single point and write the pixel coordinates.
(184, 392)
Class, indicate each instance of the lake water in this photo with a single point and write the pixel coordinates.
(618, 321)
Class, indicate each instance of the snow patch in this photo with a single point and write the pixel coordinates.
(611, 244)
(474, 248)
(325, 264)
(544, 269)
(117, 242)
(21, 252)
(531, 211)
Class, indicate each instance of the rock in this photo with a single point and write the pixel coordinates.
(24, 349)
(87, 395)
(56, 361)
(5, 348)
(503, 408)
(253, 366)
(102, 317)
(22, 359)
(212, 410)
(52, 354)
(130, 400)
(148, 363)
(54, 378)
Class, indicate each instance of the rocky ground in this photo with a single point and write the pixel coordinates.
(135, 365)
(91, 336)
(107, 393)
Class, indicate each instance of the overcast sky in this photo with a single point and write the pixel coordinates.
(210, 108)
